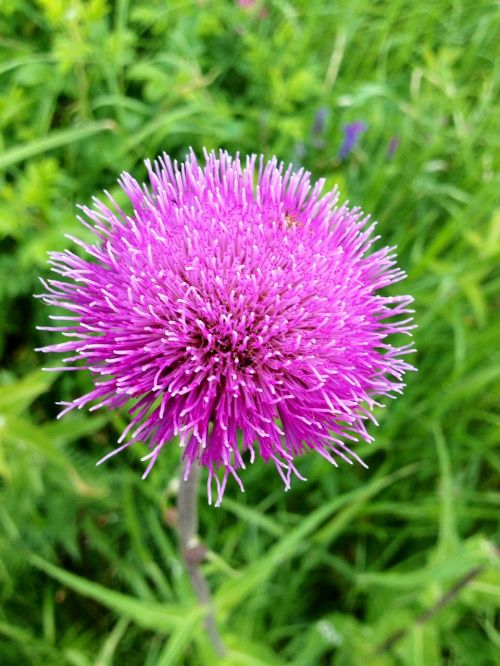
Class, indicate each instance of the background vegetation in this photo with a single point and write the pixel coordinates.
(395, 565)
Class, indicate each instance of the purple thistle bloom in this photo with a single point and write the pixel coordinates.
(351, 134)
(243, 317)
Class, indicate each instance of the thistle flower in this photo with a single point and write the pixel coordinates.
(235, 308)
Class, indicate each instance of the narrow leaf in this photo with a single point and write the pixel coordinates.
(56, 139)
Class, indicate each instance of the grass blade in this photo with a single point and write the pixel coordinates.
(150, 615)
(54, 140)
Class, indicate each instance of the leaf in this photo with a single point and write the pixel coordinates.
(448, 540)
(54, 140)
(23, 432)
(179, 640)
(244, 652)
(105, 656)
(21, 62)
(73, 427)
(355, 501)
(445, 571)
(167, 122)
(423, 646)
(233, 592)
(149, 615)
(16, 396)
(251, 516)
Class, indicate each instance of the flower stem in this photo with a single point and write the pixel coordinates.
(192, 551)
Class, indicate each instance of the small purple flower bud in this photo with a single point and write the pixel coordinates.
(392, 147)
(320, 120)
(351, 134)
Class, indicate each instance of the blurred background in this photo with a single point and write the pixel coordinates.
(394, 101)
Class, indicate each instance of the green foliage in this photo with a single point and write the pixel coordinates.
(392, 566)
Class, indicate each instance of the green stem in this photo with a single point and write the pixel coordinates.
(192, 550)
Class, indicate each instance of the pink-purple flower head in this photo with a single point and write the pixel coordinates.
(236, 308)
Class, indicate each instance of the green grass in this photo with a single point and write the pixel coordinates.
(396, 565)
